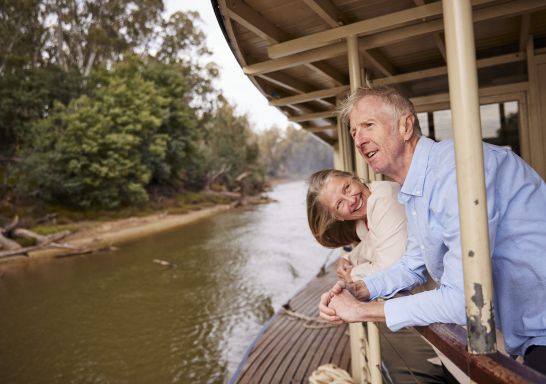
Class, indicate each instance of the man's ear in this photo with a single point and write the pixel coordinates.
(405, 125)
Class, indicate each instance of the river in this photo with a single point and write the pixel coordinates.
(121, 318)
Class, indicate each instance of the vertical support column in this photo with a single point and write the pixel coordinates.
(374, 358)
(357, 330)
(344, 146)
(463, 89)
(537, 160)
(355, 77)
(338, 157)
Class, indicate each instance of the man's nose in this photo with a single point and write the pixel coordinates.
(360, 137)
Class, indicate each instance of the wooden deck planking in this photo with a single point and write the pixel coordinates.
(288, 352)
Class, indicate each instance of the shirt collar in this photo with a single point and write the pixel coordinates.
(415, 180)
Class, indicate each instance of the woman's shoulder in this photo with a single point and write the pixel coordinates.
(384, 188)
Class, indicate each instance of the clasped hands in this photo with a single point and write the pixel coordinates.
(343, 303)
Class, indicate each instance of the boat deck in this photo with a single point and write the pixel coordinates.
(289, 350)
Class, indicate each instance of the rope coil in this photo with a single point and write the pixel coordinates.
(330, 374)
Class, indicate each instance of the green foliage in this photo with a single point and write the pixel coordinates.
(106, 101)
(96, 151)
(27, 95)
(231, 149)
(182, 159)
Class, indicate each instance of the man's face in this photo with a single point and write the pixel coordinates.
(377, 136)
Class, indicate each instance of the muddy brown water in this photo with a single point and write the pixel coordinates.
(121, 318)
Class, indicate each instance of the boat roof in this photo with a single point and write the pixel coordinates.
(295, 51)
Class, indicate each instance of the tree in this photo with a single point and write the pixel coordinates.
(230, 144)
(96, 151)
(293, 153)
(183, 162)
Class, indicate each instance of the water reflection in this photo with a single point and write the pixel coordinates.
(120, 318)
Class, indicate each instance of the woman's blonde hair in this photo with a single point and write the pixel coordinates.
(328, 231)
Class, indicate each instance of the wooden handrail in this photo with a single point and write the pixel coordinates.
(493, 368)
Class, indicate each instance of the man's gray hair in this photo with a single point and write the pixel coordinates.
(390, 96)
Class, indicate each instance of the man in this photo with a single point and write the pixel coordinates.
(386, 132)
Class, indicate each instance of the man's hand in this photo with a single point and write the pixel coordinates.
(350, 310)
(346, 307)
(343, 270)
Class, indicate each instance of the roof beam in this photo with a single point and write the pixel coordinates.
(287, 82)
(440, 71)
(326, 69)
(330, 92)
(390, 37)
(262, 27)
(373, 25)
(298, 59)
(321, 129)
(379, 62)
(255, 22)
(334, 18)
(524, 32)
(313, 116)
(327, 12)
(437, 38)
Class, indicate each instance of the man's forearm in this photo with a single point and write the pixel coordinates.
(374, 311)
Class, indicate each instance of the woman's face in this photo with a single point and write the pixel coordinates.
(345, 198)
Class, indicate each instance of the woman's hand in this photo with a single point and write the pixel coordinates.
(344, 268)
(359, 290)
(326, 313)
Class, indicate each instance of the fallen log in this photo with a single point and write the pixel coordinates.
(25, 250)
(26, 234)
(8, 244)
(6, 231)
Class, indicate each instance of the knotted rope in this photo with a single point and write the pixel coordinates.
(330, 374)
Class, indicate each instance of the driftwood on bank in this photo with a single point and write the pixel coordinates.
(12, 248)
(6, 243)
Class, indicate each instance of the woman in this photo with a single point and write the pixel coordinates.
(342, 210)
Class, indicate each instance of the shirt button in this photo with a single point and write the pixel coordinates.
(414, 212)
(422, 246)
(417, 192)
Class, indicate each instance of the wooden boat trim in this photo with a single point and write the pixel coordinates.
(493, 368)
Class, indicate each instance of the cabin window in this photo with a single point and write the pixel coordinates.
(500, 124)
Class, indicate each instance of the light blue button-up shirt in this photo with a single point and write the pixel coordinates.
(516, 202)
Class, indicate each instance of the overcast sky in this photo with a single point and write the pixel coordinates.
(235, 85)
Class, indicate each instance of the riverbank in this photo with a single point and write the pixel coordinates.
(91, 236)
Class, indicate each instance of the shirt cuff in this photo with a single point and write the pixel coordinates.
(370, 282)
(396, 317)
